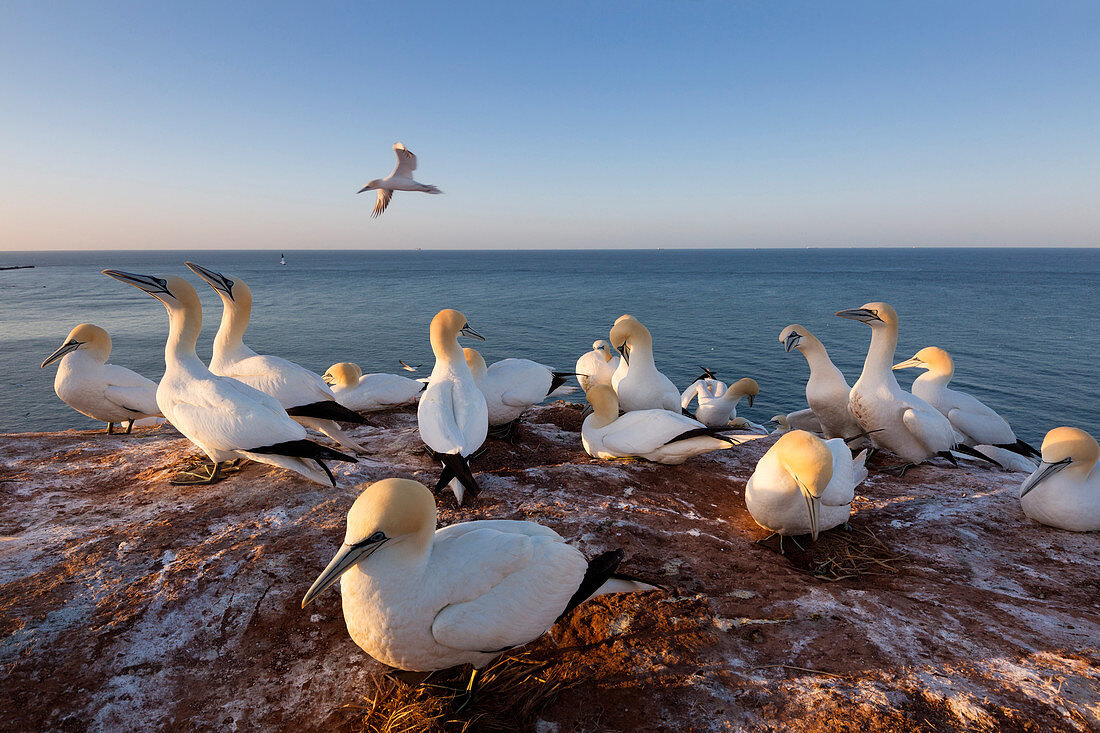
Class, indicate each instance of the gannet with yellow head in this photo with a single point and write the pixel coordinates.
(102, 391)
(1064, 491)
(636, 381)
(511, 386)
(226, 418)
(718, 406)
(370, 392)
(421, 599)
(827, 390)
(797, 420)
(596, 366)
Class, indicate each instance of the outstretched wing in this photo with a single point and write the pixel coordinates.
(406, 162)
(384, 196)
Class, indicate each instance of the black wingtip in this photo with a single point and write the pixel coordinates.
(974, 453)
(305, 449)
(327, 410)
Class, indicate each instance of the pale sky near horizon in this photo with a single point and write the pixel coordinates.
(566, 124)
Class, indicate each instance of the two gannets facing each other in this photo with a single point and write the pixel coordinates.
(717, 403)
(977, 423)
(511, 386)
(827, 391)
(797, 420)
(370, 392)
(596, 366)
(400, 180)
(92, 387)
(636, 381)
(1064, 491)
(804, 485)
(421, 599)
(226, 418)
(453, 416)
(302, 393)
(894, 419)
(661, 436)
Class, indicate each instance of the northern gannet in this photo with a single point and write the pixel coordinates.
(511, 386)
(827, 391)
(370, 392)
(894, 419)
(717, 403)
(804, 485)
(452, 416)
(421, 599)
(227, 419)
(302, 393)
(91, 386)
(973, 420)
(1064, 491)
(657, 435)
(400, 180)
(636, 381)
(596, 366)
(797, 420)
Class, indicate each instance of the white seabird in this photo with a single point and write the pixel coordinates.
(452, 416)
(302, 393)
(717, 403)
(511, 386)
(894, 419)
(400, 180)
(1064, 491)
(370, 392)
(797, 420)
(227, 419)
(977, 423)
(91, 386)
(657, 435)
(804, 485)
(636, 381)
(827, 391)
(596, 366)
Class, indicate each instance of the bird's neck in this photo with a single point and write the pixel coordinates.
(184, 326)
(880, 355)
(448, 353)
(229, 341)
(641, 352)
(935, 377)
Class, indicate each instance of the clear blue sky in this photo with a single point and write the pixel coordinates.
(556, 124)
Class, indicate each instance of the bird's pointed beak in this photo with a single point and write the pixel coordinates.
(625, 351)
(792, 341)
(155, 286)
(66, 348)
(348, 556)
(588, 410)
(471, 333)
(364, 188)
(216, 280)
(751, 398)
(1042, 473)
(811, 508)
(859, 314)
(908, 364)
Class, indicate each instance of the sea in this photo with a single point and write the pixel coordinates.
(1021, 324)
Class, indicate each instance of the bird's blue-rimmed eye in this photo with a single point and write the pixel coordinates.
(377, 536)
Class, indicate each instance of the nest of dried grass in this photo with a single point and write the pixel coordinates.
(842, 554)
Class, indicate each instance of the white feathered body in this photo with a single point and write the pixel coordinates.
(452, 415)
(646, 434)
(104, 392)
(592, 369)
(513, 385)
(289, 383)
(905, 424)
(972, 419)
(640, 386)
(1066, 502)
(378, 391)
(828, 395)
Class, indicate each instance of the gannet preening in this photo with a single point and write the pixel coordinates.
(717, 403)
(400, 180)
(226, 418)
(973, 420)
(92, 387)
(636, 381)
(893, 418)
(511, 386)
(370, 392)
(797, 420)
(596, 366)
(804, 485)
(453, 416)
(657, 435)
(1064, 491)
(302, 393)
(421, 599)
(827, 391)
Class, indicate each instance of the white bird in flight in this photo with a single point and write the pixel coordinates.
(400, 180)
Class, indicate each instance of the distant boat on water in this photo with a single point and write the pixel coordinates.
(282, 259)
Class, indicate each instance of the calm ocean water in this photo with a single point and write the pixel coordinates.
(1021, 323)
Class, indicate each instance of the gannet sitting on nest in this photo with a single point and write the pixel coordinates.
(511, 386)
(896, 420)
(804, 485)
(91, 386)
(1064, 491)
(827, 391)
(421, 599)
(453, 417)
(370, 392)
(636, 381)
(596, 366)
(661, 436)
(302, 393)
(400, 180)
(717, 403)
(972, 419)
(227, 419)
(797, 420)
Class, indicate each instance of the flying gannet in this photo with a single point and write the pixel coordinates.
(421, 599)
(302, 393)
(827, 391)
(1064, 491)
(452, 416)
(370, 392)
(511, 386)
(894, 419)
(400, 180)
(596, 366)
(636, 381)
(661, 436)
(717, 403)
(226, 418)
(91, 386)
